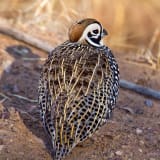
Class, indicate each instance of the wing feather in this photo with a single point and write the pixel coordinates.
(77, 79)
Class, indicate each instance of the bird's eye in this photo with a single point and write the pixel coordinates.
(95, 31)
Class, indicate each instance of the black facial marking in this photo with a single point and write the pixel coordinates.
(95, 31)
(96, 40)
(89, 34)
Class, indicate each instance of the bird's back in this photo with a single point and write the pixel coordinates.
(78, 89)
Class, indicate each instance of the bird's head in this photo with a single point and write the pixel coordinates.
(88, 31)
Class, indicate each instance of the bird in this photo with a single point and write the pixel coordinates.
(78, 87)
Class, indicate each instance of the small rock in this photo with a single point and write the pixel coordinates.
(18, 50)
(15, 89)
(129, 120)
(139, 111)
(111, 155)
(124, 146)
(1, 147)
(21, 153)
(140, 150)
(142, 142)
(128, 110)
(7, 65)
(139, 131)
(7, 87)
(148, 103)
(118, 153)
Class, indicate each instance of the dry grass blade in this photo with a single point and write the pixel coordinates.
(158, 57)
(154, 39)
(34, 59)
(41, 6)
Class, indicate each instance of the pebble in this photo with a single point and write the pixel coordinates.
(1, 147)
(140, 150)
(142, 142)
(139, 111)
(21, 153)
(148, 103)
(124, 146)
(139, 131)
(118, 153)
(111, 155)
(7, 65)
(15, 89)
(19, 50)
(7, 87)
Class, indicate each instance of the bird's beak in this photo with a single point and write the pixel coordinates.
(104, 33)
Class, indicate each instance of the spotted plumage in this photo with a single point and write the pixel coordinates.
(78, 87)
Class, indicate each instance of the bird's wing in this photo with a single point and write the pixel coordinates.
(76, 81)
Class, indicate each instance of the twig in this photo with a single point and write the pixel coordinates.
(127, 109)
(140, 89)
(24, 98)
(21, 36)
(47, 48)
(4, 97)
(28, 115)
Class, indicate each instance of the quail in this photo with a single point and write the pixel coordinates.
(78, 87)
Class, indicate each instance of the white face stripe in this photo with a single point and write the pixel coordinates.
(88, 29)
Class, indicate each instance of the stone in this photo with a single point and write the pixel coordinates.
(148, 103)
(119, 153)
(139, 131)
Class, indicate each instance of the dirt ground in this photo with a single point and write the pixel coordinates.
(133, 133)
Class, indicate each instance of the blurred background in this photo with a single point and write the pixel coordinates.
(134, 36)
(131, 24)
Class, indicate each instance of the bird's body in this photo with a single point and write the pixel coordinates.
(77, 91)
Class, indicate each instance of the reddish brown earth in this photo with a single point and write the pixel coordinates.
(133, 133)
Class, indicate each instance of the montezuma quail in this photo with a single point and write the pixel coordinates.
(78, 87)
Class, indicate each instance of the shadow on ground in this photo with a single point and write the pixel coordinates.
(19, 82)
